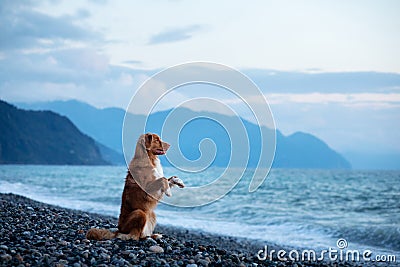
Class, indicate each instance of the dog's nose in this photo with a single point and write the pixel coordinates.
(165, 146)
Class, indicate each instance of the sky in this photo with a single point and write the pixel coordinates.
(330, 68)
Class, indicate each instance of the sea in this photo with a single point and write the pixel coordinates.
(309, 209)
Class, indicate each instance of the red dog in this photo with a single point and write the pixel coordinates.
(145, 185)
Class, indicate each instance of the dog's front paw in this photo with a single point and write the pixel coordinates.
(174, 180)
(156, 236)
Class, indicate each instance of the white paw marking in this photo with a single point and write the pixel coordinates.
(156, 236)
(123, 236)
(168, 192)
(177, 181)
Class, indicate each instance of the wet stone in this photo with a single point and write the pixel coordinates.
(156, 249)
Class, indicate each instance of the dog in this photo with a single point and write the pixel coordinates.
(145, 185)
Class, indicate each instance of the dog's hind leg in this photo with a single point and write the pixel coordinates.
(150, 224)
(133, 225)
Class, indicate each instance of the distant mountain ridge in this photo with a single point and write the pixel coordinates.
(299, 150)
(43, 137)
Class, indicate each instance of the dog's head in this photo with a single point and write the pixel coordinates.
(148, 147)
(154, 145)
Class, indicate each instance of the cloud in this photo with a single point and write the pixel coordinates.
(83, 59)
(82, 14)
(22, 27)
(82, 74)
(174, 35)
(359, 99)
(126, 79)
(343, 127)
(132, 62)
(79, 65)
(99, 2)
(272, 81)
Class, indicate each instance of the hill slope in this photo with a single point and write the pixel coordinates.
(299, 150)
(43, 137)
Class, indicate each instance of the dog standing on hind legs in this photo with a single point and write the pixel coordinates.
(145, 185)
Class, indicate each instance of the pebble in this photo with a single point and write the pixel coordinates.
(6, 257)
(105, 256)
(133, 256)
(46, 258)
(27, 233)
(63, 262)
(191, 265)
(63, 243)
(150, 242)
(203, 262)
(156, 249)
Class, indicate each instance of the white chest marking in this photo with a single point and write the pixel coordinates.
(158, 171)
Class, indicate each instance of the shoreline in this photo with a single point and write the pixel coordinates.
(35, 233)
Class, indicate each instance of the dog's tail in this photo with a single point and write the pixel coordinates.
(100, 234)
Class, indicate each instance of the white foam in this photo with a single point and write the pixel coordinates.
(293, 234)
(40, 194)
(285, 235)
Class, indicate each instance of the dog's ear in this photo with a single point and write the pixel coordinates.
(148, 138)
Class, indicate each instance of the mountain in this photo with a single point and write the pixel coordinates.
(43, 137)
(303, 149)
(299, 150)
(102, 124)
(110, 155)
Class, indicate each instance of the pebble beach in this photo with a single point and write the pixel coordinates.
(38, 234)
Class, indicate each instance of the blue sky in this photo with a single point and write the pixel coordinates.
(331, 68)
